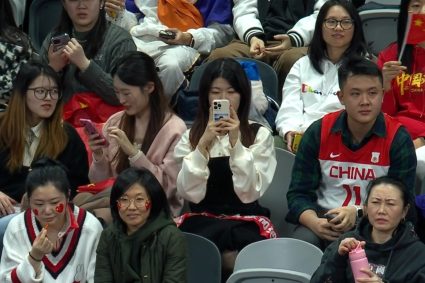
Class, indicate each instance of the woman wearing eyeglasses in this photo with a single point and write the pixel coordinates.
(310, 88)
(143, 243)
(32, 128)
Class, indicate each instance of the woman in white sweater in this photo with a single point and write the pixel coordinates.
(53, 240)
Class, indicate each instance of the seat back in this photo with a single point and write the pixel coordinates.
(271, 259)
(275, 196)
(204, 260)
(384, 2)
(380, 27)
(43, 17)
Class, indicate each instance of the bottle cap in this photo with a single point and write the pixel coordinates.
(357, 253)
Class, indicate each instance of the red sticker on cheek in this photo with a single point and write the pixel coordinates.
(59, 208)
(148, 205)
(118, 205)
(35, 211)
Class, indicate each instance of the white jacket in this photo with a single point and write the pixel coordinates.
(302, 32)
(245, 19)
(307, 95)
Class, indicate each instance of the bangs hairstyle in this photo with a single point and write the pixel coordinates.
(230, 70)
(14, 124)
(138, 69)
(355, 66)
(96, 36)
(407, 58)
(317, 50)
(46, 171)
(146, 179)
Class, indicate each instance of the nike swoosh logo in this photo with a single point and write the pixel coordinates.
(333, 155)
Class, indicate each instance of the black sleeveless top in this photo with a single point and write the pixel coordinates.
(220, 197)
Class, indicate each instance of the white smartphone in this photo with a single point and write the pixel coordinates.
(221, 109)
(91, 130)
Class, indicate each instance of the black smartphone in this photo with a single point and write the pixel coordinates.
(331, 216)
(59, 41)
(167, 34)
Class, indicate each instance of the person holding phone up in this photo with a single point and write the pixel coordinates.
(86, 60)
(227, 165)
(144, 134)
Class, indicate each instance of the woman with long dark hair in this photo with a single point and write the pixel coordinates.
(227, 164)
(85, 62)
(310, 88)
(144, 134)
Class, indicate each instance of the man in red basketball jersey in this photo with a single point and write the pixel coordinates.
(340, 153)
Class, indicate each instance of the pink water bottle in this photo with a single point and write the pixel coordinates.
(358, 261)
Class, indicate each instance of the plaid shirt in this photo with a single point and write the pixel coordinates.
(306, 173)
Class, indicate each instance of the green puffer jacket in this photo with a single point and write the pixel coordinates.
(156, 253)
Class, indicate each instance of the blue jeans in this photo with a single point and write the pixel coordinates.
(4, 221)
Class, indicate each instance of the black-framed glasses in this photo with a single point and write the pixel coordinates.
(41, 93)
(344, 24)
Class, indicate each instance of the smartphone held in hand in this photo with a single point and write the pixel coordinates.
(221, 109)
(167, 34)
(59, 41)
(91, 130)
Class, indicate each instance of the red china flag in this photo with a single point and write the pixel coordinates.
(416, 32)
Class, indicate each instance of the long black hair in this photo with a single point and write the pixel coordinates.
(96, 36)
(317, 49)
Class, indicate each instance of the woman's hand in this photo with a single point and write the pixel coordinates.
(277, 50)
(182, 38)
(210, 133)
(75, 53)
(6, 204)
(41, 245)
(57, 59)
(231, 126)
(373, 278)
(349, 244)
(124, 143)
(390, 70)
(96, 144)
(289, 136)
(257, 47)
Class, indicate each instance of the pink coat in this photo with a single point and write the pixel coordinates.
(159, 158)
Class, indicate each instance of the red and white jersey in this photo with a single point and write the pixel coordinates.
(346, 173)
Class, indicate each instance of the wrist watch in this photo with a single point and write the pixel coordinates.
(359, 213)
